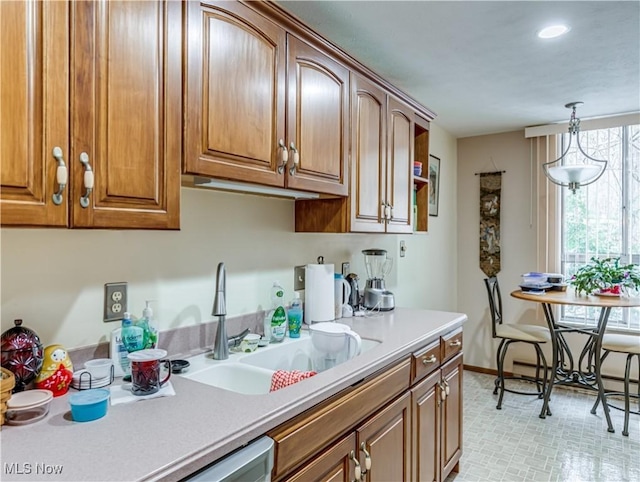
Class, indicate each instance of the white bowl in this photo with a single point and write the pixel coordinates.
(99, 367)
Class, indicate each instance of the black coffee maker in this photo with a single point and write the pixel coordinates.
(354, 298)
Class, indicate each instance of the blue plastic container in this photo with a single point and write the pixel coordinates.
(89, 405)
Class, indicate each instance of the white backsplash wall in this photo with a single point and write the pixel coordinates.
(54, 278)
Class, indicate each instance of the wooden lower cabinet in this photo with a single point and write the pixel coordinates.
(437, 423)
(402, 424)
(335, 464)
(384, 439)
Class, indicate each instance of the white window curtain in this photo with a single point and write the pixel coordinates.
(544, 149)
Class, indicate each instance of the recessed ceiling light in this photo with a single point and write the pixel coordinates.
(553, 31)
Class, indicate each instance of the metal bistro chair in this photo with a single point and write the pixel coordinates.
(630, 346)
(510, 333)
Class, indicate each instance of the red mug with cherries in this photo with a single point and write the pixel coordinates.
(146, 368)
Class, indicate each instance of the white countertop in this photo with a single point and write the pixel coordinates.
(171, 437)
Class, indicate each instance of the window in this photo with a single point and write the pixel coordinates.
(603, 218)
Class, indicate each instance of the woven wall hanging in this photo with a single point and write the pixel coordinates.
(490, 190)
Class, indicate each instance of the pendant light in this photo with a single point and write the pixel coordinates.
(575, 175)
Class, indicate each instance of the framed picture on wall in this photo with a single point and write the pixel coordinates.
(434, 184)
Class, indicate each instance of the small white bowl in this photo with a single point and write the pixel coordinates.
(99, 368)
(249, 343)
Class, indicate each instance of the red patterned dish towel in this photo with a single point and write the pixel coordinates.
(284, 378)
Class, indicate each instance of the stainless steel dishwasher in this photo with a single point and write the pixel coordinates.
(251, 463)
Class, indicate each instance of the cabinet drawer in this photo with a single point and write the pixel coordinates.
(450, 344)
(425, 361)
(311, 431)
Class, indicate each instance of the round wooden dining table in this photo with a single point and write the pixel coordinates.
(564, 371)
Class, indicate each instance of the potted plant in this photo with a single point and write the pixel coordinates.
(606, 276)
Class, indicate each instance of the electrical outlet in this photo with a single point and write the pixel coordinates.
(115, 301)
(298, 278)
(403, 249)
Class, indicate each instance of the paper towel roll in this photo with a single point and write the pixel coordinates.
(318, 293)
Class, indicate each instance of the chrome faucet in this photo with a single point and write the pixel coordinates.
(222, 342)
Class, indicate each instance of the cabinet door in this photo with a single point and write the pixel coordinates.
(452, 416)
(400, 167)
(34, 111)
(235, 93)
(317, 119)
(368, 151)
(333, 465)
(387, 439)
(425, 403)
(126, 113)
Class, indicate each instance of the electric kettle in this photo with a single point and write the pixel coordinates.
(354, 298)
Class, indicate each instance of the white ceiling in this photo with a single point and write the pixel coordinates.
(479, 64)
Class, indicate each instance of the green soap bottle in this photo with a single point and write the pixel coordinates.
(277, 317)
(294, 315)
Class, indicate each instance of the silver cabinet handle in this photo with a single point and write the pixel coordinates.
(443, 393)
(62, 176)
(284, 156)
(295, 159)
(455, 343)
(390, 207)
(358, 471)
(385, 211)
(446, 388)
(431, 359)
(88, 180)
(367, 458)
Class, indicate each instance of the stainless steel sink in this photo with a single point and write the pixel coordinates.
(250, 373)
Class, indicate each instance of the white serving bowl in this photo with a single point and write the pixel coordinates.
(99, 368)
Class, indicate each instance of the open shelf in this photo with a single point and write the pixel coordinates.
(421, 184)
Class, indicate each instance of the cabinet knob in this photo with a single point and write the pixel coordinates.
(295, 159)
(428, 361)
(284, 156)
(62, 175)
(455, 343)
(88, 180)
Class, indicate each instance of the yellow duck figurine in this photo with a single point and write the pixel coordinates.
(57, 371)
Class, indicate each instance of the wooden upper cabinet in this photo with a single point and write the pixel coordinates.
(34, 112)
(235, 93)
(317, 119)
(382, 153)
(400, 167)
(369, 128)
(126, 79)
(255, 95)
(101, 81)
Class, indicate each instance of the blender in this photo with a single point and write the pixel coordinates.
(376, 295)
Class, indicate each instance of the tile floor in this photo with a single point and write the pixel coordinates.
(514, 444)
